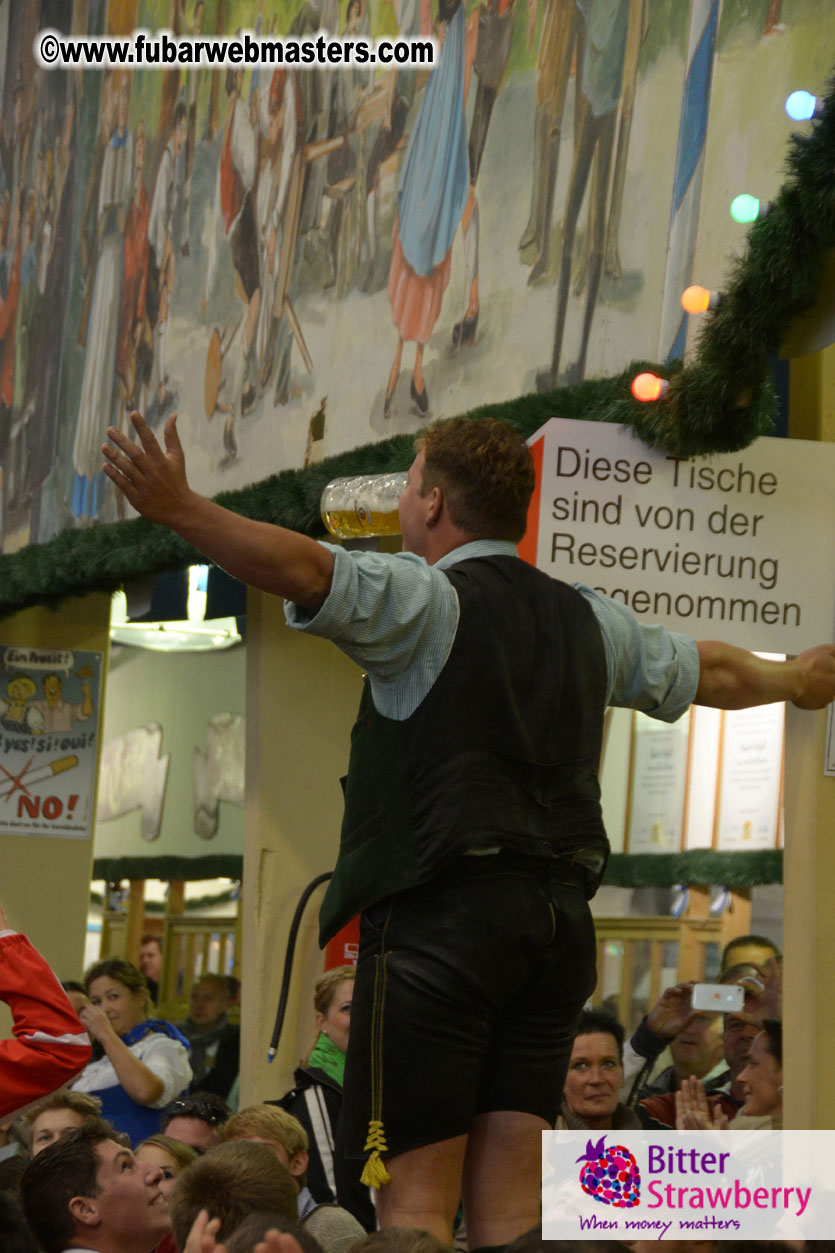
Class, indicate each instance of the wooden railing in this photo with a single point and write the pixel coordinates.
(192, 943)
(637, 958)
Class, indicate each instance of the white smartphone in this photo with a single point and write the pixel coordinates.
(722, 998)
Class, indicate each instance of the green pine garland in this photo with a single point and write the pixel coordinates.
(701, 865)
(721, 402)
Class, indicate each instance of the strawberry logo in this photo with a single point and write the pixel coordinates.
(610, 1175)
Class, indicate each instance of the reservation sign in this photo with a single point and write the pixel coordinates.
(738, 547)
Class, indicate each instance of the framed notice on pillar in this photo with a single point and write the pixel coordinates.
(657, 785)
(750, 778)
(49, 715)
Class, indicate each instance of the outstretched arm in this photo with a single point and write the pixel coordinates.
(731, 678)
(268, 557)
(50, 1047)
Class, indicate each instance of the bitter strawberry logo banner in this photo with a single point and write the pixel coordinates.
(713, 1185)
(49, 714)
(737, 547)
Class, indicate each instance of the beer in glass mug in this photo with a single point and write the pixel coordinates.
(364, 505)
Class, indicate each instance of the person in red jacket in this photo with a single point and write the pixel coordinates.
(50, 1046)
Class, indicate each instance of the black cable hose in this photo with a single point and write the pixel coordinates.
(288, 960)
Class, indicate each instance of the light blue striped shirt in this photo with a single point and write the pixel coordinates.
(396, 616)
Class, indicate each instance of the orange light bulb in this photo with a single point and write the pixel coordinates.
(648, 387)
(696, 300)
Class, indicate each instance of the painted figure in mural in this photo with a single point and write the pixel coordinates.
(400, 97)
(27, 307)
(558, 40)
(5, 156)
(17, 711)
(600, 64)
(46, 209)
(59, 714)
(162, 254)
(317, 91)
(559, 48)
(21, 131)
(349, 89)
(434, 195)
(134, 352)
(193, 86)
(14, 462)
(280, 127)
(234, 216)
(89, 224)
(97, 388)
(10, 257)
(495, 32)
(48, 330)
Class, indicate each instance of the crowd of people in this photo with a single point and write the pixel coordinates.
(133, 1154)
(146, 1118)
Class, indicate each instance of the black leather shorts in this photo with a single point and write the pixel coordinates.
(467, 997)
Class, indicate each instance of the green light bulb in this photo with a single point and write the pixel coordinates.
(745, 208)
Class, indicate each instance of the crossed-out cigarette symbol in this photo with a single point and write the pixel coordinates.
(27, 777)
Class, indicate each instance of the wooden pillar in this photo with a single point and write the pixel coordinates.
(809, 857)
(302, 696)
(45, 881)
(176, 902)
(690, 965)
(136, 920)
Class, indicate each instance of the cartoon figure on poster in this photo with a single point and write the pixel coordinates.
(49, 700)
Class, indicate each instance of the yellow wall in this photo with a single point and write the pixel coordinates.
(302, 695)
(45, 883)
(809, 858)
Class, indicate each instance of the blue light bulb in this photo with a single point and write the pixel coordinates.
(801, 105)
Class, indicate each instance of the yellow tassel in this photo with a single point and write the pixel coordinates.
(374, 1173)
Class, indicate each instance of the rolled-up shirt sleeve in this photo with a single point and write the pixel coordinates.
(394, 615)
(650, 668)
(168, 1060)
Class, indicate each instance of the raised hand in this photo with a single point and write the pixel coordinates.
(277, 1242)
(694, 1111)
(201, 1238)
(670, 1012)
(153, 481)
(96, 1022)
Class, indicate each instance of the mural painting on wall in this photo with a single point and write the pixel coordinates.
(49, 712)
(300, 262)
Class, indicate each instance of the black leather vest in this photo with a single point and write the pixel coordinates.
(503, 750)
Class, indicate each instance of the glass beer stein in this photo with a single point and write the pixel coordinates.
(364, 505)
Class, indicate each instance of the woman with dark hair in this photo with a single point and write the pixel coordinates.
(143, 1063)
(761, 1079)
(316, 1100)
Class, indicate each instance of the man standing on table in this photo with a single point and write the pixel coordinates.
(472, 835)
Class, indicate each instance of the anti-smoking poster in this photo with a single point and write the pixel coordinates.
(49, 714)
